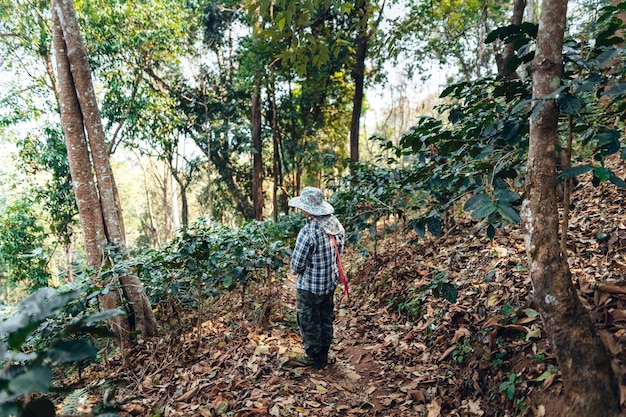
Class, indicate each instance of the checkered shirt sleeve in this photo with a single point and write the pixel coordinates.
(314, 260)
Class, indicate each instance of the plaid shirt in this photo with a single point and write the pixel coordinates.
(314, 260)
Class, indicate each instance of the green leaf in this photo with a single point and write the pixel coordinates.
(617, 180)
(606, 137)
(449, 292)
(507, 196)
(484, 211)
(569, 104)
(71, 351)
(509, 213)
(37, 379)
(574, 172)
(502, 33)
(17, 338)
(545, 375)
(435, 226)
(103, 315)
(602, 174)
(420, 228)
(476, 201)
(605, 57)
(616, 90)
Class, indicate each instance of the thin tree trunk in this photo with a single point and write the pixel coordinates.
(184, 204)
(358, 73)
(589, 382)
(174, 197)
(276, 164)
(257, 144)
(357, 103)
(153, 230)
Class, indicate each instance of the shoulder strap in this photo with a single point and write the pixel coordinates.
(342, 274)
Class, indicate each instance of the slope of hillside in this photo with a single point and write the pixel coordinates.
(400, 350)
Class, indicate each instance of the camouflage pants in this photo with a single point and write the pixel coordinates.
(316, 314)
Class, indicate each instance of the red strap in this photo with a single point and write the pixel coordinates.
(342, 274)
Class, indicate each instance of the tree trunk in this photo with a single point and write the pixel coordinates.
(87, 200)
(589, 381)
(357, 103)
(257, 144)
(141, 317)
(174, 201)
(503, 60)
(227, 173)
(358, 73)
(276, 160)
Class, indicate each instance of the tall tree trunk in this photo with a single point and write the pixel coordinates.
(87, 200)
(358, 74)
(174, 202)
(153, 231)
(276, 159)
(257, 144)
(184, 203)
(357, 102)
(589, 381)
(141, 317)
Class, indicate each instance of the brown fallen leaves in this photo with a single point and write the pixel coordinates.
(398, 352)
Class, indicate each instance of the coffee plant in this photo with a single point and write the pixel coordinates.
(49, 329)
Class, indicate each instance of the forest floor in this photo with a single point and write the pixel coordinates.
(399, 350)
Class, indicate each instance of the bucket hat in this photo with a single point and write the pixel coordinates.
(311, 200)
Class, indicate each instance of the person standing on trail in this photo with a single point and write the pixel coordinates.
(315, 261)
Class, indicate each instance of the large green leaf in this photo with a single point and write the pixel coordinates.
(570, 104)
(509, 213)
(476, 201)
(603, 174)
(71, 351)
(449, 292)
(435, 226)
(616, 90)
(36, 379)
(574, 171)
(507, 196)
(606, 137)
(102, 316)
(485, 210)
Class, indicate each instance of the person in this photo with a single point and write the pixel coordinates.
(315, 262)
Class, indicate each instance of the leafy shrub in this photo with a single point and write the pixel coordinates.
(49, 328)
(209, 258)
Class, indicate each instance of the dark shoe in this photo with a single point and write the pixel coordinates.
(322, 357)
(308, 361)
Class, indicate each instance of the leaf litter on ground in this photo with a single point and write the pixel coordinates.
(397, 351)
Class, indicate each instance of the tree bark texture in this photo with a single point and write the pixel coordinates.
(141, 317)
(589, 381)
(358, 74)
(87, 200)
(257, 142)
(357, 103)
(503, 61)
